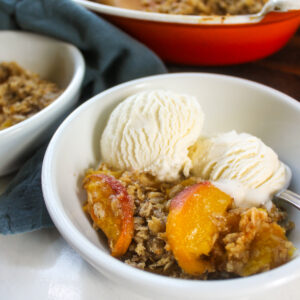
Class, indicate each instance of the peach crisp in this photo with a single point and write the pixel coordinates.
(185, 228)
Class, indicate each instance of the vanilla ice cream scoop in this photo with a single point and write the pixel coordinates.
(151, 131)
(241, 163)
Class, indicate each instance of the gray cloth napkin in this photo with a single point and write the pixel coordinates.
(111, 57)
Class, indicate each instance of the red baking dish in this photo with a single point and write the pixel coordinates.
(200, 40)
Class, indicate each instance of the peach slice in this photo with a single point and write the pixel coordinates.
(192, 225)
(111, 209)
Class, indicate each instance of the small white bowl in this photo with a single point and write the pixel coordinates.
(53, 60)
(229, 103)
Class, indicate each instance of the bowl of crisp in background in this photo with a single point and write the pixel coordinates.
(203, 40)
(228, 103)
(52, 60)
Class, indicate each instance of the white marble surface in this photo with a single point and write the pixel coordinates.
(41, 265)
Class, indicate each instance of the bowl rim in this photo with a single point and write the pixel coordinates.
(75, 81)
(177, 19)
(95, 256)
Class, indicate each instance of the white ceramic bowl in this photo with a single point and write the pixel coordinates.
(56, 61)
(229, 103)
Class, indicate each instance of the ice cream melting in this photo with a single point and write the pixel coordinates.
(151, 131)
(241, 165)
(160, 131)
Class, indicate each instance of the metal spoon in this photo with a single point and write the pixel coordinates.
(279, 5)
(287, 195)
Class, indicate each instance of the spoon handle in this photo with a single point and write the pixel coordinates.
(290, 197)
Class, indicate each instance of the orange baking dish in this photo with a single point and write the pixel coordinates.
(204, 40)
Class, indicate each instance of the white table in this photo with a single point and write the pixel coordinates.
(41, 265)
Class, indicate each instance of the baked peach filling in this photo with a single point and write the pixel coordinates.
(111, 209)
(192, 228)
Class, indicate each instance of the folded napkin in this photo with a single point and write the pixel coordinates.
(111, 57)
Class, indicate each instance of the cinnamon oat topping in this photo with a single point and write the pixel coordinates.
(22, 94)
(204, 7)
(240, 248)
